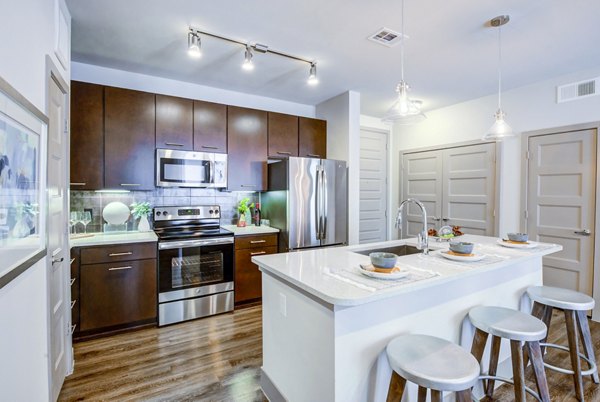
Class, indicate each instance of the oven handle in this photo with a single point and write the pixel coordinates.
(194, 243)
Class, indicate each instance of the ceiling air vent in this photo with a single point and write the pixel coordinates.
(577, 90)
(386, 37)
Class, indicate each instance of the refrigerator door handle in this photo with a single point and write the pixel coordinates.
(325, 203)
(318, 204)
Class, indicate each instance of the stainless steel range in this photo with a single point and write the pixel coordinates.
(195, 263)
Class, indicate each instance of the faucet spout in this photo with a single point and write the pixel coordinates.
(422, 236)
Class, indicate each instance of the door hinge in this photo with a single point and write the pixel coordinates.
(525, 214)
(527, 155)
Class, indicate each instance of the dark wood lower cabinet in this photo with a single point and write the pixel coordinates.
(248, 282)
(118, 294)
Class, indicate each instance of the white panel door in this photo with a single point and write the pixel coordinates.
(422, 179)
(561, 204)
(373, 186)
(58, 278)
(469, 188)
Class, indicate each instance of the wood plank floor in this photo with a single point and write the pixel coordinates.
(219, 359)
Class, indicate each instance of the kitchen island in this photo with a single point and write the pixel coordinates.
(326, 326)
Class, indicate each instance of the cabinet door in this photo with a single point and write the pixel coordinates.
(248, 283)
(312, 138)
(210, 127)
(174, 122)
(87, 136)
(247, 149)
(129, 139)
(283, 135)
(117, 294)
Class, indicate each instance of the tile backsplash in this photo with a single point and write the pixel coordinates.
(81, 200)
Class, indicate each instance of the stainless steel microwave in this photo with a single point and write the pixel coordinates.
(175, 168)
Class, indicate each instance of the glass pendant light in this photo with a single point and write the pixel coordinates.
(500, 129)
(404, 110)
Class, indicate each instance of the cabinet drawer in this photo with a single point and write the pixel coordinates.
(267, 240)
(248, 283)
(117, 294)
(116, 253)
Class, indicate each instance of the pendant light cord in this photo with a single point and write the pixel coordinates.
(499, 67)
(402, 44)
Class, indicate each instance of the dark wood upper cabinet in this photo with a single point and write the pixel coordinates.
(129, 139)
(87, 136)
(283, 135)
(210, 127)
(174, 123)
(312, 138)
(247, 149)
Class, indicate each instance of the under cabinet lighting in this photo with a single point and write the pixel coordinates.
(194, 44)
(109, 191)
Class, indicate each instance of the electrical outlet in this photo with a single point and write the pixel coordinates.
(283, 304)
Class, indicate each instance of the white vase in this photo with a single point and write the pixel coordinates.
(144, 225)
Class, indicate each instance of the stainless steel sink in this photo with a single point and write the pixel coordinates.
(400, 251)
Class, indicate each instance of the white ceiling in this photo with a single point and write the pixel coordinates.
(450, 56)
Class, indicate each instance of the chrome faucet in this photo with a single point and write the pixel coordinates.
(422, 237)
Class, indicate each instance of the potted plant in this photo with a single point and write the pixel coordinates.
(141, 210)
(244, 209)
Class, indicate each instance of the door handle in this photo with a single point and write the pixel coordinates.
(445, 219)
(436, 219)
(584, 232)
(57, 260)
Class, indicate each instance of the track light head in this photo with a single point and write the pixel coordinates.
(194, 44)
(248, 63)
(312, 76)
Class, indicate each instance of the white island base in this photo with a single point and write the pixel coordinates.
(324, 338)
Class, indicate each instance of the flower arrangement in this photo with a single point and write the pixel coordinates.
(140, 209)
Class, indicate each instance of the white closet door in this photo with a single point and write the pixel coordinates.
(469, 188)
(561, 204)
(422, 179)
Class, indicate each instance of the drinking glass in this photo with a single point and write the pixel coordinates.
(73, 219)
(86, 217)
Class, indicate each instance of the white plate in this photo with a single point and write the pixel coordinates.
(465, 258)
(530, 244)
(379, 275)
(116, 213)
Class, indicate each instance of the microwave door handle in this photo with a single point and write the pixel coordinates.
(212, 171)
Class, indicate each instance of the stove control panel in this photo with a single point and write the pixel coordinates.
(195, 212)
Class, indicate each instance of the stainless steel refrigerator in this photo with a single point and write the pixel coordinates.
(307, 201)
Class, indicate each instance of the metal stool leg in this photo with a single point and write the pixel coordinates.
(396, 388)
(584, 331)
(574, 352)
(537, 363)
(518, 372)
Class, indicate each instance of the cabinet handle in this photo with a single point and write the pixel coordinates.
(72, 329)
(120, 268)
(73, 303)
(130, 184)
(248, 185)
(283, 153)
(209, 147)
(72, 281)
(257, 241)
(173, 144)
(313, 155)
(71, 262)
(77, 184)
(120, 254)
(258, 253)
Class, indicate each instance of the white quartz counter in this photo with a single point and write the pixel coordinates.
(250, 230)
(101, 239)
(327, 273)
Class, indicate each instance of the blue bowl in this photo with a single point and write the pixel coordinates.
(383, 260)
(522, 237)
(461, 247)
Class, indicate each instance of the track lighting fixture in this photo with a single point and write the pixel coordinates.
(248, 63)
(194, 44)
(194, 50)
(312, 76)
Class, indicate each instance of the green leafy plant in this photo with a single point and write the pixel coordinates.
(244, 205)
(140, 209)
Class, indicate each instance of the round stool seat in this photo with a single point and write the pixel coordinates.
(565, 299)
(507, 323)
(433, 362)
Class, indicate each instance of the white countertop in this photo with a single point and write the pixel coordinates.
(250, 230)
(100, 239)
(316, 271)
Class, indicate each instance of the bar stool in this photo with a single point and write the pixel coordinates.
(431, 363)
(519, 328)
(575, 306)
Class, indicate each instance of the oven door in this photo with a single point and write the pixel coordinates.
(190, 169)
(191, 268)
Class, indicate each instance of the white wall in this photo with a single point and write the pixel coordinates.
(165, 86)
(28, 30)
(528, 108)
(343, 143)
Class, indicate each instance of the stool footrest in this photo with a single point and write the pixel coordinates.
(593, 368)
(509, 381)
